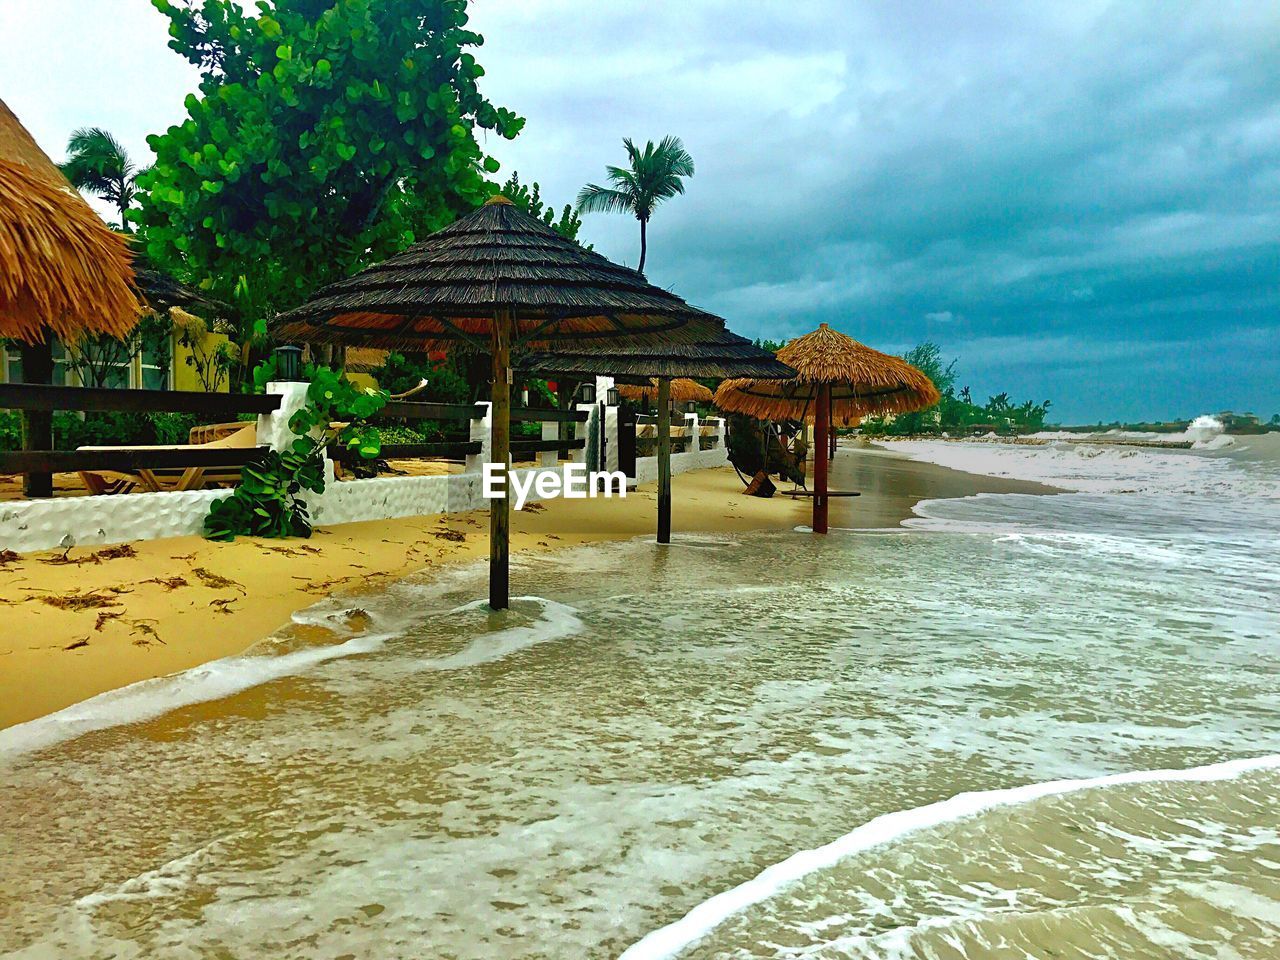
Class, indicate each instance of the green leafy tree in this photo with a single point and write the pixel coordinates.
(773, 346)
(529, 199)
(98, 164)
(927, 358)
(653, 175)
(104, 361)
(326, 135)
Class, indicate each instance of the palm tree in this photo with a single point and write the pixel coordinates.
(654, 175)
(98, 163)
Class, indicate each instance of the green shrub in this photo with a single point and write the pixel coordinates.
(268, 501)
(102, 429)
(173, 428)
(10, 430)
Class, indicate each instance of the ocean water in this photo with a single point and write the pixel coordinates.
(1019, 727)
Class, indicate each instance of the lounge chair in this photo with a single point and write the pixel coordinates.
(234, 435)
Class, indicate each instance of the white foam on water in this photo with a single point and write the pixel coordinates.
(152, 698)
(1204, 429)
(223, 678)
(558, 621)
(1214, 468)
(698, 923)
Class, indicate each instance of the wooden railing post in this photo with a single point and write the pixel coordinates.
(550, 431)
(481, 433)
(37, 425)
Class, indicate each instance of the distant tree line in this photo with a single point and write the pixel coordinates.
(957, 412)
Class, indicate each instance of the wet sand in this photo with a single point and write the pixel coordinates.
(97, 618)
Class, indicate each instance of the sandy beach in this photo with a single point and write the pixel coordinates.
(96, 618)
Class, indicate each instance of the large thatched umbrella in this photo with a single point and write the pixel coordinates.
(715, 353)
(836, 377)
(63, 272)
(496, 278)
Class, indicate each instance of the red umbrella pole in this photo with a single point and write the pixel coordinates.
(821, 429)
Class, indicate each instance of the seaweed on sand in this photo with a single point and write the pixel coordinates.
(79, 601)
(217, 581)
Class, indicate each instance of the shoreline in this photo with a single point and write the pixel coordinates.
(97, 619)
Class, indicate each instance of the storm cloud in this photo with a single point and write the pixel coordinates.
(1080, 200)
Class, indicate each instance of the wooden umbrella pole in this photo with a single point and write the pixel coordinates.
(500, 508)
(821, 427)
(664, 460)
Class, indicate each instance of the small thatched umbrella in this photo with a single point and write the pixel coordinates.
(837, 376)
(716, 353)
(63, 271)
(682, 390)
(497, 277)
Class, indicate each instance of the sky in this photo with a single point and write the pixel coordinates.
(1080, 200)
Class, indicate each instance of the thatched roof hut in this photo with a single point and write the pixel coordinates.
(862, 382)
(364, 359)
(683, 390)
(62, 269)
(450, 286)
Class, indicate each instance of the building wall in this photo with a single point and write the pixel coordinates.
(182, 375)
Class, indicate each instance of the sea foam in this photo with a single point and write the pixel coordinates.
(694, 926)
(223, 678)
(152, 698)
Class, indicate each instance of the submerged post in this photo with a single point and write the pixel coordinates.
(499, 507)
(664, 460)
(822, 429)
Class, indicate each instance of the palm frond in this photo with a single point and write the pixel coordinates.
(594, 198)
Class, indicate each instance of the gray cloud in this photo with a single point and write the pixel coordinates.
(1090, 190)
(1104, 176)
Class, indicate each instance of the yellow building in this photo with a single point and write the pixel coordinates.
(177, 365)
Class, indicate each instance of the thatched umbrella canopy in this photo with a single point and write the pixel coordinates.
(716, 353)
(63, 271)
(161, 292)
(862, 382)
(683, 390)
(836, 376)
(494, 260)
(496, 278)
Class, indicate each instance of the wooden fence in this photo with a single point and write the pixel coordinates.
(47, 399)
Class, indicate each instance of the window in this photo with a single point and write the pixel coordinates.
(12, 362)
(155, 363)
(102, 365)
